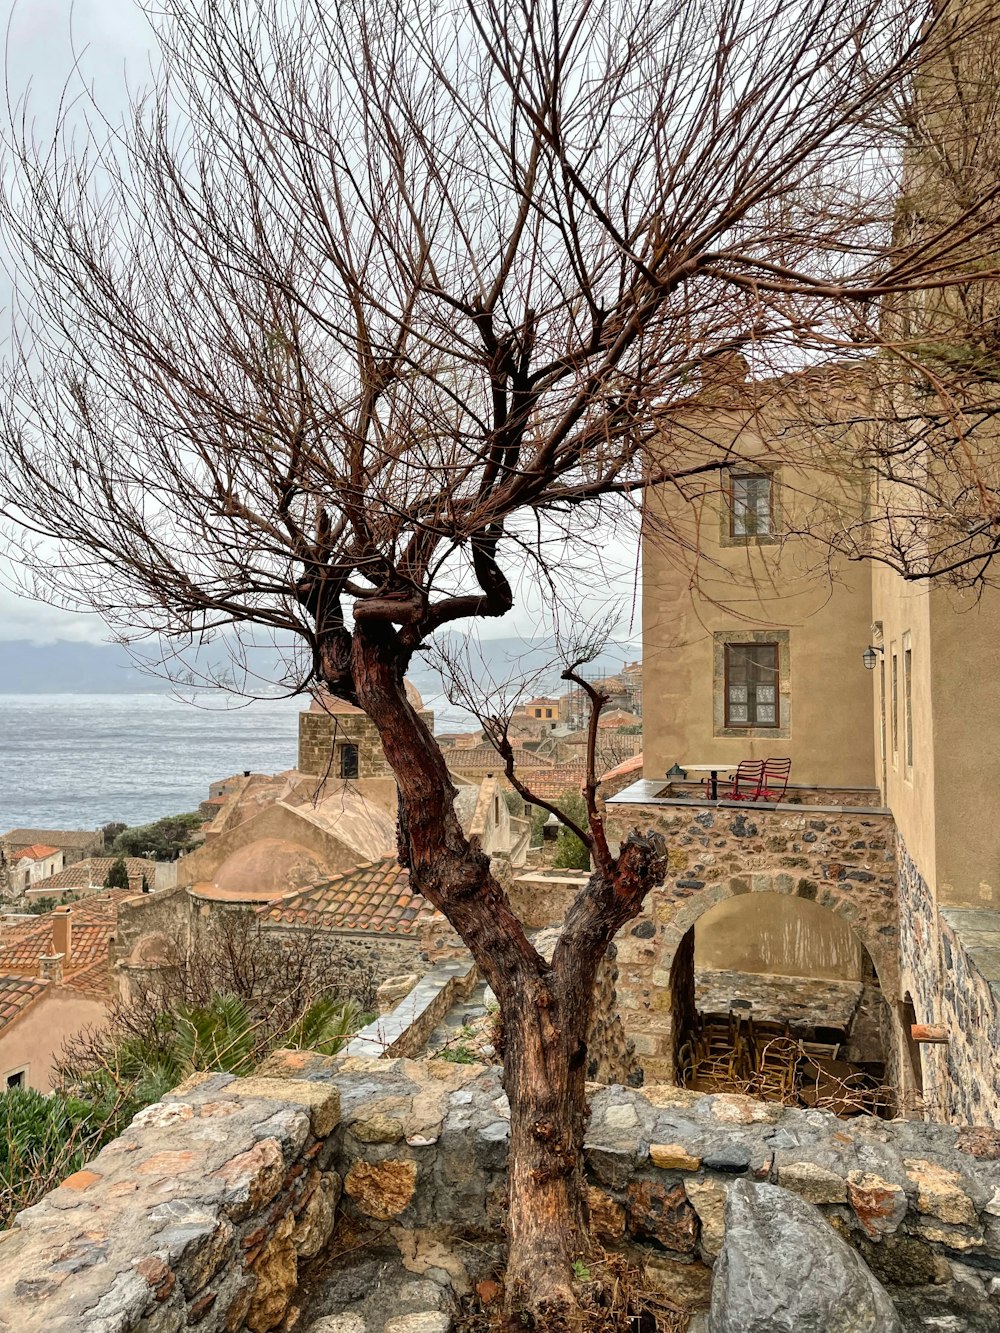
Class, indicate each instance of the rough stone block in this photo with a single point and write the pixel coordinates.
(382, 1189)
(429, 1321)
(276, 1270)
(940, 1192)
(254, 1177)
(688, 1286)
(672, 1157)
(813, 1183)
(708, 1199)
(878, 1204)
(607, 1218)
(378, 1128)
(321, 1100)
(662, 1214)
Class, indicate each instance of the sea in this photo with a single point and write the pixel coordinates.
(77, 761)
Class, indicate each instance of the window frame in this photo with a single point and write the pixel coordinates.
(346, 748)
(894, 708)
(907, 646)
(755, 723)
(20, 1073)
(741, 474)
(728, 536)
(723, 638)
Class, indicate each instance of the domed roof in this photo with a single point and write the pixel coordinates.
(325, 702)
(262, 870)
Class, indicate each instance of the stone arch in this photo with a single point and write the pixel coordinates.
(877, 931)
(668, 966)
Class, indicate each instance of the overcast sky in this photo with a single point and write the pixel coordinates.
(61, 48)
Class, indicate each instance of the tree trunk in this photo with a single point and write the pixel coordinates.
(545, 1007)
(544, 1077)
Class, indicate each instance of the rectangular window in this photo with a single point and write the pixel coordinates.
(751, 504)
(908, 707)
(17, 1080)
(894, 718)
(881, 704)
(752, 685)
(348, 761)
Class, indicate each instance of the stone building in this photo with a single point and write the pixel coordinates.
(340, 741)
(55, 980)
(753, 649)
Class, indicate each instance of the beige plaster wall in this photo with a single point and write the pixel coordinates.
(904, 609)
(35, 1038)
(965, 677)
(746, 589)
(778, 936)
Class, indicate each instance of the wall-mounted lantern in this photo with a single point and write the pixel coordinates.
(870, 656)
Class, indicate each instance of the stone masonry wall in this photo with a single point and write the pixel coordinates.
(320, 732)
(207, 1210)
(961, 1079)
(842, 859)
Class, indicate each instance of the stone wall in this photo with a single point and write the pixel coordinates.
(842, 859)
(942, 963)
(206, 1211)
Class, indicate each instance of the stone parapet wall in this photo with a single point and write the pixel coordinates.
(844, 861)
(942, 969)
(204, 1212)
(404, 1029)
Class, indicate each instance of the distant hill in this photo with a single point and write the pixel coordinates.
(66, 667)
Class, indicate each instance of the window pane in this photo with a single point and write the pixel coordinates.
(751, 505)
(752, 684)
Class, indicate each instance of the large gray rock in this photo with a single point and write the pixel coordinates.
(783, 1269)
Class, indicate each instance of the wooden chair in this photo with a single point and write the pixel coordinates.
(745, 782)
(774, 780)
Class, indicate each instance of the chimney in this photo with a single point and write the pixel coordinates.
(62, 932)
(50, 968)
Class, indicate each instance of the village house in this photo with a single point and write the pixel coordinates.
(55, 979)
(89, 876)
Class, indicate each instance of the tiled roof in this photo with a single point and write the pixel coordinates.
(36, 852)
(483, 758)
(93, 927)
(632, 765)
(91, 874)
(61, 838)
(374, 897)
(549, 783)
(15, 993)
(94, 979)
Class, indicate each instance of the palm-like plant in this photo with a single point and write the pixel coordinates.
(324, 1026)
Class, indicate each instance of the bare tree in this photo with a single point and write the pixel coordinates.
(369, 307)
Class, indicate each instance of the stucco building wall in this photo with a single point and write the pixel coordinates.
(35, 1038)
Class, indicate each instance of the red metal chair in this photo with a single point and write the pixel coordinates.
(745, 782)
(774, 780)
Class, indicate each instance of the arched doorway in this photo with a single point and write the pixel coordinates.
(778, 996)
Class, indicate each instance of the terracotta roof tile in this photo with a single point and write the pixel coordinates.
(549, 783)
(61, 838)
(374, 898)
(15, 993)
(92, 873)
(36, 852)
(93, 927)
